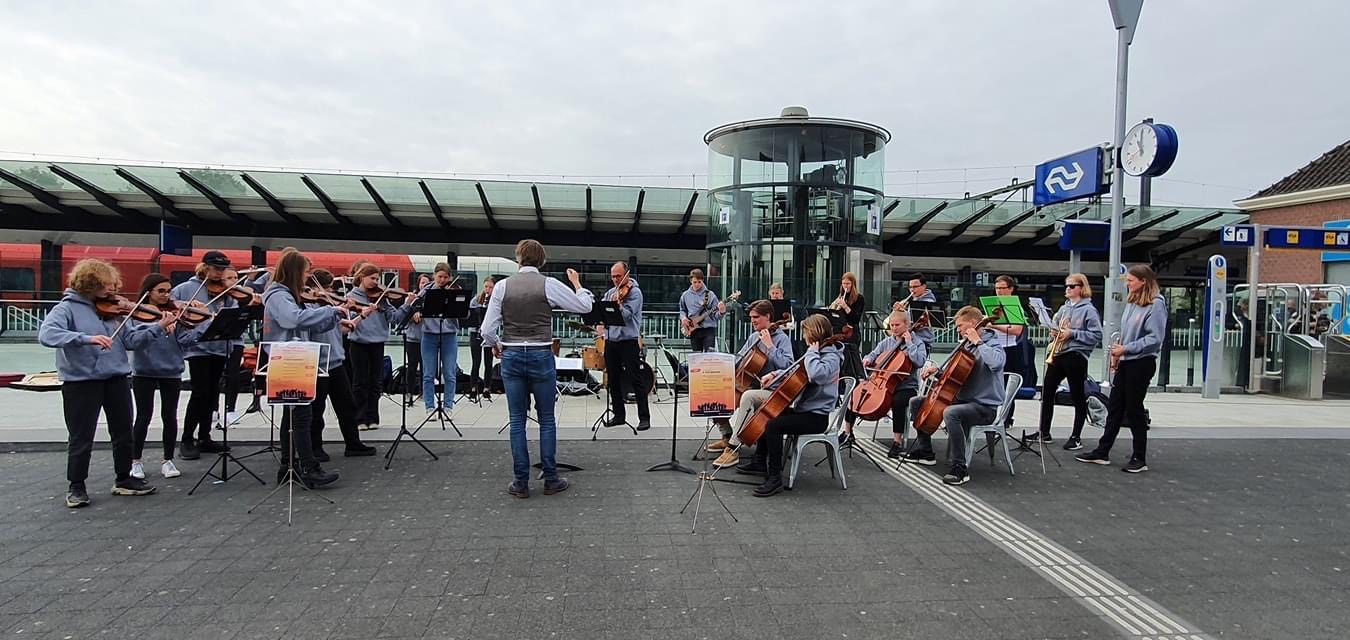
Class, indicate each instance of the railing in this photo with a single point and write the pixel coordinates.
(22, 318)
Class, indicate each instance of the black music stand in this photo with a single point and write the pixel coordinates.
(837, 318)
(674, 463)
(228, 324)
(607, 312)
(930, 310)
(448, 304)
(292, 478)
(782, 309)
(402, 331)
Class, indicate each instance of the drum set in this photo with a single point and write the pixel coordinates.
(593, 359)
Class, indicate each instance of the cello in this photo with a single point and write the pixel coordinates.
(872, 399)
(793, 383)
(750, 364)
(955, 371)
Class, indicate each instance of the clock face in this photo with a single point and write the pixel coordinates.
(1139, 150)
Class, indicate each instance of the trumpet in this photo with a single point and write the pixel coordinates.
(903, 305)
(1057, 343)
(1114, 359)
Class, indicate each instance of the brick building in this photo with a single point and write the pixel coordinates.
(1315, 195)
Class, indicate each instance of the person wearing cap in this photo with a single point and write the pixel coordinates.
(205, 359)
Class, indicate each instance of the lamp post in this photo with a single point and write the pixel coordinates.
(1125, 14)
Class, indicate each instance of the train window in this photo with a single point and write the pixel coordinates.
(17, 279)
(179, 277)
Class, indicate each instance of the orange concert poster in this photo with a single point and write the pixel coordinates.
(712, 384)
(292, 372)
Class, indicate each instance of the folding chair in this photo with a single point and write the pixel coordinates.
(830, 438)
(999, 427)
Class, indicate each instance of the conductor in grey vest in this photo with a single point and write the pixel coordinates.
(518, 325)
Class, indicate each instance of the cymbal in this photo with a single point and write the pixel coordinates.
(573, 324)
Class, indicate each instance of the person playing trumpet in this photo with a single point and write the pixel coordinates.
(852, 304)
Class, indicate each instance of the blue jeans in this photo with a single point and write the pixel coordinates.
(526, 372)
(440, 351)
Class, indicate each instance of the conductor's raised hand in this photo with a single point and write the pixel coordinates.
(574, 278)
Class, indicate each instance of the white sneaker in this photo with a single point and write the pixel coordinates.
(431, 411)
(169, 470)
(215, 420)
(138, 470)
(232, 418)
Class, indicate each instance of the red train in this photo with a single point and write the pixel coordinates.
(21, 273)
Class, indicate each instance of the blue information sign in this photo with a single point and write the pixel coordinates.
(1077, 175)
(1238, 235)
(1307, 238)
(1337, 256)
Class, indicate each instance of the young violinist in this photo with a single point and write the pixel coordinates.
(917, 352)
(157, 365)
(1077, 330)
(234, 359)
(1135, 359)
(481, 355)
(768, 337)
(378, 311)
(440, 348)
(205, 359)
(285, 318)
(92, 340)
(976, 403)
(412, 344)
(809, 413)
(337, 385)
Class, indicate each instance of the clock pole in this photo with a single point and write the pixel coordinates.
(1125, 14)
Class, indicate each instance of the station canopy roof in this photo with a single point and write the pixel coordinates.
(107, 198)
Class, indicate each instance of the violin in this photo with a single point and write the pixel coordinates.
(955, 371)
(794, 382)
(115, 306)
(239, 293)
(394, 295)
(189, 315)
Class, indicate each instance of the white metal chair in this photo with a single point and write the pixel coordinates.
(999, 427)
(796, 444)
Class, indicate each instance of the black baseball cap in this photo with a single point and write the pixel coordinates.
(216, 259)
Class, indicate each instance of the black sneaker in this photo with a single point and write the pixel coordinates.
(315, 476)
(895, 451)
(1135, 465)
(925, 458)
(132, 487)
(1073, 444)
(616, 422)
(644, 425)
(207, 445)
(957, 475)
(1093, 457)
(556, 486)
(77, 497)
(359, 451)
(752, 468)
(518, 490)
(773, 485)
(321, 455)
(188, 451)
(1043, 438)
(846, 439)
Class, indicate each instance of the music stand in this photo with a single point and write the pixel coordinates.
(705, 478)
(837, 318)
(448, 304)
(782, 309)
(607, 312)
(674, 463)
(228, 324)
(292, 478)
(474, 320)
(403, 431)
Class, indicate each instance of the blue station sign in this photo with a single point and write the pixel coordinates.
(1307, 238)
(1077, 175)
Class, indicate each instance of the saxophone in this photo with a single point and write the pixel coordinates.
(1058, 343)
(1114, 359)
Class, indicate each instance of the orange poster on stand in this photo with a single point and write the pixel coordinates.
(292, 372)
(712, 384)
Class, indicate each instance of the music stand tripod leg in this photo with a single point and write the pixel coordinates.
(291, 479)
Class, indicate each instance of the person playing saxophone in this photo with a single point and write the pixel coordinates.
(1079, 332)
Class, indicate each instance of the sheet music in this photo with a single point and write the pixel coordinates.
(1042, 313)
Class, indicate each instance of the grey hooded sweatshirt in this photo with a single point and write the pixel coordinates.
(70, 328)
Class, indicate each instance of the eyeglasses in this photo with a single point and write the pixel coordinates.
(1072, 285)
(916, 286)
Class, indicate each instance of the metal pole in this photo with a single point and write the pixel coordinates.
(1113, 283)
(1190, 353)
(1253, 282)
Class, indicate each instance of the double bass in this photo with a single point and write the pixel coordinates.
(793, 384)
(955, 371)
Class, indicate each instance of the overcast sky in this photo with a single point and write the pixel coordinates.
(974, 92)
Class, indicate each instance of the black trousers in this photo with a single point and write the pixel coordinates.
(204, 372)
(81, 402)
(621, 363)
(788, 423)
(143, 390)
(299, 418)
(1126, 405)
(899, 409)
(412, 374)
(481, 355)
(1072, 367)
(231, 374)
(704, 339)
(853, 365)
(367, 370)
(337, 386)
(1013, 362)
